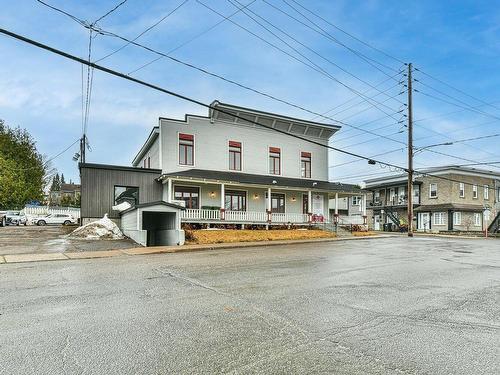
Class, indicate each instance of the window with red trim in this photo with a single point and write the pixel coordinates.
(234, 156)
(305, 164)
(186, 149)
(274, 160)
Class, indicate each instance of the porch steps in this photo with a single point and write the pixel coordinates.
(339, 230)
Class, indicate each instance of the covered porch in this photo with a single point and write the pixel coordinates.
(236, 198)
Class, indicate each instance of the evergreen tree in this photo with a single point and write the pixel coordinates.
(22, 170)
(57, 185)
(62, 179)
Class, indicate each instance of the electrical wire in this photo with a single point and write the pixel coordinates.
(145, 31)
(309, 64)
(247, 11)
(109, 12)
(457, 89)
(349, 34)
(190, 40)
(183, 97)
(104, 32)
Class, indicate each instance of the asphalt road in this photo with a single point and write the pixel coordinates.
(374, 306)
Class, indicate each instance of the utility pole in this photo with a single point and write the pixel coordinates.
(83, 144)
(410, 153)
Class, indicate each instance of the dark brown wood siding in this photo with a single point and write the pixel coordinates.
(98, 183)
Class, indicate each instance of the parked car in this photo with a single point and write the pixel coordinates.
(3, 218)
(16, 218)
(63, 219)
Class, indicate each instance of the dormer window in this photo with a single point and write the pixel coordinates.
(274, 160)
(305, 164)
(186, 149)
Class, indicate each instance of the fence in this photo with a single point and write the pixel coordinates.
(45, 210)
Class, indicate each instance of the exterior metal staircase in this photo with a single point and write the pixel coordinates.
(495, 225)
(392, 216)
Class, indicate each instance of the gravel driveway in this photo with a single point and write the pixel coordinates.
(51, 239)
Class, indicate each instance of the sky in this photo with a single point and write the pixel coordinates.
(311, 62)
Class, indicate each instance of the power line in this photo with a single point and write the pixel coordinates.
(183, 97)
(457, 105)
(329, 36)
(110, 11)
(467, 106)
(349, 34)
(191, 39)
(46, 162)
(314, 66)
(145, 31)
(302, 44)
(373, 156)
(107, 33)
(457, 89)
(194, 101)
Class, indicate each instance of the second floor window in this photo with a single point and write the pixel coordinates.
(376, 196)
(474, 191)
(433, 190)
(305, 164)
(486, 192)
(356, 200)
(462, 190)
(234, 156)
(274, 160)
(186, 149)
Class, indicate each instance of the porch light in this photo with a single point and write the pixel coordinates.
(294, 199)
(212, 194)
(256, 196)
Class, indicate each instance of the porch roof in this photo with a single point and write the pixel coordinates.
(257, 179)
(449, 206)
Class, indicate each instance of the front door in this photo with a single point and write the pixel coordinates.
(376, 222)
(424, 221)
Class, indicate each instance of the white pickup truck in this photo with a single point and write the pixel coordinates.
(3, 218)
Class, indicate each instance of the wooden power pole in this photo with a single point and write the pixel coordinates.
(410, 153)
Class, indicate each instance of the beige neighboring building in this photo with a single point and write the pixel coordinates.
(452, 199)
(71, 190)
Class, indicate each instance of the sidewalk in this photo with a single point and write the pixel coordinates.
(22, 258)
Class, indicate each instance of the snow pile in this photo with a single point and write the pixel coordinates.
(98, 230)
(122, 206)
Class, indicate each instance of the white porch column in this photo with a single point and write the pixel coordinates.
(169, 190)
(309, 202)
(222, 201)
(269, 207)
(365, 221)
(336, 204)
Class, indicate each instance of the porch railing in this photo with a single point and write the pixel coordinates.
(191, 213)
(242, 216)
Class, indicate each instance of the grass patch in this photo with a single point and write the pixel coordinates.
(363, 234)
(234, 235)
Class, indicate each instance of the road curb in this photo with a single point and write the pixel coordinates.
(24, 258)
